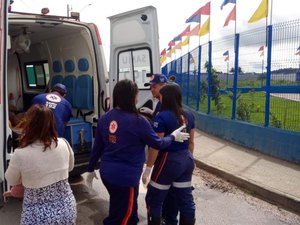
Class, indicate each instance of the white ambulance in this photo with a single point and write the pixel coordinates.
(38, 51)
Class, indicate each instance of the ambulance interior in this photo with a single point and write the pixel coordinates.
(44, 52)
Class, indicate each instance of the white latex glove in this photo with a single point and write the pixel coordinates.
(179, 135)
(146, 110)
(89, 179)
(146, 174)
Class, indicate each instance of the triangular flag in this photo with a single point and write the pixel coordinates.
(195, 17)
(185, 42)
(226, 2)
(261, 48)
(186, 31)
(163, 52)
(177, 38)
(195, 31)
(298, 51)
(169, 54)
(231, 16)
(226, 53)
(261, 12)
(205, 28)
(192, 60)
(162, 59)
(171, 43)
(178, 46)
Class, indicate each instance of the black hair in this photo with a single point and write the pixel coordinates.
(124, 95)
(172, 100)
(61, 91)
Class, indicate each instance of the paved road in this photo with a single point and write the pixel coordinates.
(218, 203)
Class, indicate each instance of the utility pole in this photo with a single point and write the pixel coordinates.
(69, 9)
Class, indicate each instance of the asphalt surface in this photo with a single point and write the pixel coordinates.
(218, 203)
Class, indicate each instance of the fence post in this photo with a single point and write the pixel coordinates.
(209, 76)
(181, 72)
(188, 79)
(236, 71)
(198, 79)
(268, 77)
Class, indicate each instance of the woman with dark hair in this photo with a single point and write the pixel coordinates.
(120, 142)
(174, 165)
(42, 163)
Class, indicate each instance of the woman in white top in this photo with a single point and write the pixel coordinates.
(42, 163)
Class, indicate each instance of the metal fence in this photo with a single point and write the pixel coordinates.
(252, 76)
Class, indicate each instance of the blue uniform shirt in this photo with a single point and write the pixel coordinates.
(166, 122)
(157, 108)
(61, 108)
(120, 142)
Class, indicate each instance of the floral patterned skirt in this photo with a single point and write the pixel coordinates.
(53, 204)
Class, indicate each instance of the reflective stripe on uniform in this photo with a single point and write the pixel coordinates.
(159, 186)
(182, 184)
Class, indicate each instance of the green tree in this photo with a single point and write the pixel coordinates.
(240, 70)
(215, 85)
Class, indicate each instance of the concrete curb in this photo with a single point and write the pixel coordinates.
(272, 196)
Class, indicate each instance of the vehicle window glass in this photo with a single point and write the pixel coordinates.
(37, 74)
(134, 65)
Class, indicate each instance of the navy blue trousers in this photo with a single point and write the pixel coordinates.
(123, 208)
(172, 169)
(170, 208)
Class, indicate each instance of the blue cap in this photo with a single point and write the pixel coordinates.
(157, 79)
(60, 88)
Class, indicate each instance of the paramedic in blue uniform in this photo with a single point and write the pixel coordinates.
(61, 108)
(120, 141)
(169, 208)
(175, 164)
(157, 81)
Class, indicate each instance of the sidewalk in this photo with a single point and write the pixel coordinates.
(274, 180)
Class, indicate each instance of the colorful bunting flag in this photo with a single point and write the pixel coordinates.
(195, 17)
(261, 49)
(171, 43)
(227, 55)
(231, 16)
(195, 31)
(186, 41)
(226, 2)
(298, 51)
(186, 31)
(192, 60)
(169, 54)
(178, 46)
(163, 52)
(162, 59)
(261, 12)
(177, 38)
(205, 28)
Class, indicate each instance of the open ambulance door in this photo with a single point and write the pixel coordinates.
(134, 50)
(5, 132)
